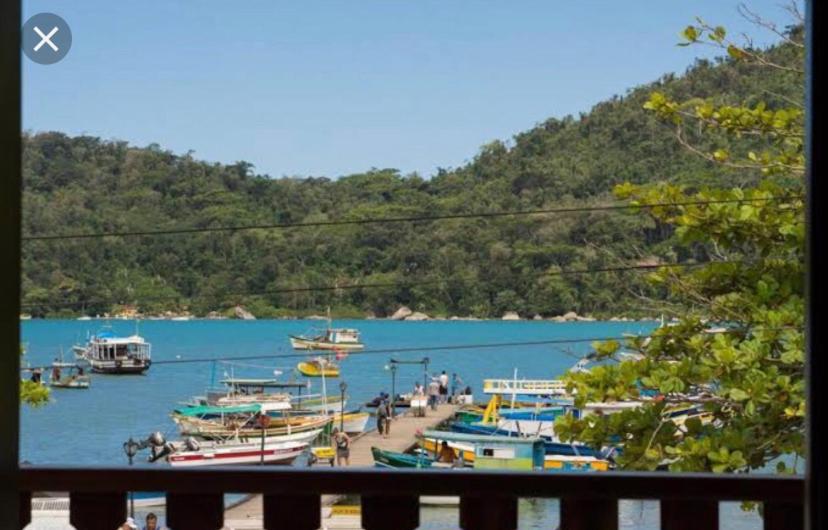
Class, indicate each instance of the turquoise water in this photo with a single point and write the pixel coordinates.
(90, 426)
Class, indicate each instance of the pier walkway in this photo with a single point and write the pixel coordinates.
(402, 436)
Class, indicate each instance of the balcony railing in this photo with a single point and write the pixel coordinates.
(390, 499)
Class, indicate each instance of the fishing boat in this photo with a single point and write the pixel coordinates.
(68, 375)
(495, 450)
(551, 446)
(318, 367)
(344, 339)
(239, 391)
(491, 452)
(242, 421)
(108, 353)
(319, 404)
(192, 453)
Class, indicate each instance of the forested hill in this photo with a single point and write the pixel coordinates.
(480, 267)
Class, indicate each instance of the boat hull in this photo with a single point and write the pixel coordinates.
(77, 383)
(311, 369)
(282, 453)
(214, 429)
(352, 423)
(390, 459)
(304, 343)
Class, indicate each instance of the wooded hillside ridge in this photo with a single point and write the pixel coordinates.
(478, 268)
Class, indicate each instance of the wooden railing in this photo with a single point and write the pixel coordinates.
(390, 499)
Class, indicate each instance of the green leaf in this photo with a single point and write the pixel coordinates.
(690, 33)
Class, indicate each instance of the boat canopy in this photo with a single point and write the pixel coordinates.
(253, 408)
(263, 383)
(478, 438)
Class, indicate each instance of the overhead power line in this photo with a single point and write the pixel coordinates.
(381, 220)
(356, 286)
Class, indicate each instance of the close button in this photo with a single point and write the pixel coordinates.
(46, 38)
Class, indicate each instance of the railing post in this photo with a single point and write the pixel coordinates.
(97, 511)
(783, 516)
(292, 512)
(689, 515)
(589, 514)
(390, 512)
(195, 511)
(24, 516)
(488, 513)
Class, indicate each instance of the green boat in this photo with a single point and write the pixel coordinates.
(394, 460)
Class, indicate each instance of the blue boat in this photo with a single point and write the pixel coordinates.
(551, 447)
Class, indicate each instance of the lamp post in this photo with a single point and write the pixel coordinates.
(131, 448)
(342, 387)
(426, 360)
(393, 388)
(392, 367)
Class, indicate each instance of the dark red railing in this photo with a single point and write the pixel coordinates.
(390, 499)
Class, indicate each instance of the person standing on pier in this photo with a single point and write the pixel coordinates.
(382, 417)
(433, 393)
(389, 417)
(444, 380)
(342, 444)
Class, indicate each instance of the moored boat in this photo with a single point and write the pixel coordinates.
(242, 421)
(108, 353)
(344, 339)
(198, 454)
(318, 367)
(495, 451)
(68, 375)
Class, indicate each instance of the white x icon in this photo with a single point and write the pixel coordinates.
(46, 39)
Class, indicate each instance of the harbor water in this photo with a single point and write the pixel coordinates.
(89, 427)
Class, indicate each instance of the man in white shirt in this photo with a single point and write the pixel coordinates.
(444, 380)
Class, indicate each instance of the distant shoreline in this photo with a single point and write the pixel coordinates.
(309, 319)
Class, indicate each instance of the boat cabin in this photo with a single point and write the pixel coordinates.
(343, 336)
(107, 347)
(498, 452)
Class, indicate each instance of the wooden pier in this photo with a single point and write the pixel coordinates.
(401, 437)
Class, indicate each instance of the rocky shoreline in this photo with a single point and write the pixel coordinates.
(403, 313)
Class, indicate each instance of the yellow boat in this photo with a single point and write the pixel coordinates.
(318, 367)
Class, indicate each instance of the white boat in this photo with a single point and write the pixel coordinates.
(339, 339)
(109, 354)
(68, 375)
(352, 422)
(192, 453)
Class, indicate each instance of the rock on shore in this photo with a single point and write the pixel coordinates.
(243, 313)
(510, 315)
(401, 314)
(417, 316)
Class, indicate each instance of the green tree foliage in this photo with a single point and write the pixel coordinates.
(480, 267)
(31, 393)
(749, 377)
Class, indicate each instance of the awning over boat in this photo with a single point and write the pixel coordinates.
(253, 408)
(478, 438)
(266, 383)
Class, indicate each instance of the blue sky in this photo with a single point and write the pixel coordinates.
(328, 88)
